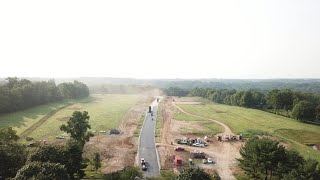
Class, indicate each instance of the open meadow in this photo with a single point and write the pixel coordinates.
(256, 122)
(106, 112)
(22, 120)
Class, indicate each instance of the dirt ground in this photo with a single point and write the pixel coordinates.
(119, 151)
(223, 153)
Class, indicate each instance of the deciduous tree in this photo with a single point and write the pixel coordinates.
(77, 126)
(42, 171)
(193, 174)
(260, 157)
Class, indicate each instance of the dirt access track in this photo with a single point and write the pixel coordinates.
(223, 153)
(119, 151)
(42, 120)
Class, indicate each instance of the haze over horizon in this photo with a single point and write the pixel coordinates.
(161, 40)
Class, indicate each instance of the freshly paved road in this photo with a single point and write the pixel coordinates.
(147, 148)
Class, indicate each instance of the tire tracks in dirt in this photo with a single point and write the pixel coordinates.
(227, 130)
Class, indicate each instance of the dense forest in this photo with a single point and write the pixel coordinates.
(18, 94)
(299, 105)
(303, 85)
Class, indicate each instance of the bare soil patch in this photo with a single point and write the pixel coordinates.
(185, 127)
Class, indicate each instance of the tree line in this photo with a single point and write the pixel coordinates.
(303, 85)
(18, 94)
(299, 105)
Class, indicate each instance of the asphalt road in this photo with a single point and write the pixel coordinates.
(147, 149)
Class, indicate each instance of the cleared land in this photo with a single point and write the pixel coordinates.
(252, 121)
(205, 127)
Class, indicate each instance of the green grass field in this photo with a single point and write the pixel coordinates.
(252, 121)
(209, 127)
(106, 112)
(22, 120)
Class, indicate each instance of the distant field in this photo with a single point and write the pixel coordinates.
(252, 121)
(105, 112)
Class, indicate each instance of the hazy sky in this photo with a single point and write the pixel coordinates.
(160, 39)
